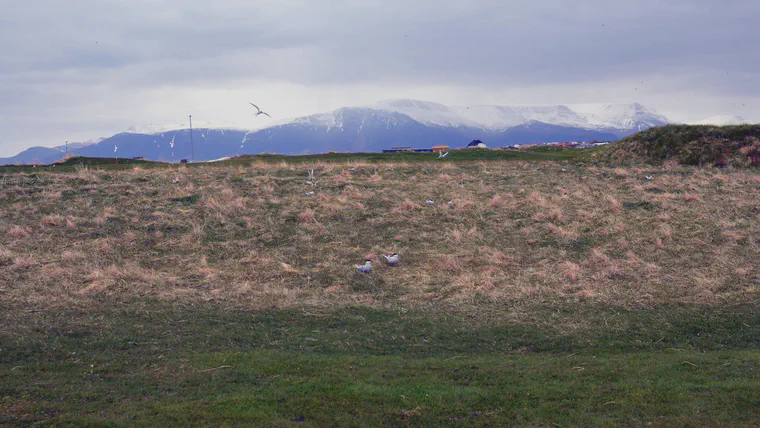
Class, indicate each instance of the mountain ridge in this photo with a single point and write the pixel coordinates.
(374, 128)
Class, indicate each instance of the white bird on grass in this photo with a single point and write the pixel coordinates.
(649, 177)
(365, 268)
(392, 260)
(258, 110)
(429, 202)
(312, 182)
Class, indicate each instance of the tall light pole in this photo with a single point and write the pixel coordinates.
(192, 148)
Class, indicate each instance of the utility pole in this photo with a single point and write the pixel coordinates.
(192, 148)
(67, 147)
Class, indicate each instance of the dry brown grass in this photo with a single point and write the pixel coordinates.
(253, 237)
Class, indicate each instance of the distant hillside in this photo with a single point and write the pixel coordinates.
(737, 145)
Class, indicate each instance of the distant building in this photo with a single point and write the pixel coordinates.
(399, 149)
(476, 144)
(440, 148)
(406, 149)
(183, 161)
(138, 158)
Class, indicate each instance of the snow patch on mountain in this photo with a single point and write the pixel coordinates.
(428, 113)
(620, 116)
(336, 120)
(79, 145)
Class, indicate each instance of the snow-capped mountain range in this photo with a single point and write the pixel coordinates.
(371, 129)
(622, 117)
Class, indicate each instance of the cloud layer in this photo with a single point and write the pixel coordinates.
(80, 69)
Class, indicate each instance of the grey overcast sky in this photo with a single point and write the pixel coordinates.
(79, 69)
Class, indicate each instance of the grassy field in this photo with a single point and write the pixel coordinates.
(545, 293)
(534, 154)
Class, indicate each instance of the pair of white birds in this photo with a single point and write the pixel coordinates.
(431, 202)
(392, 260)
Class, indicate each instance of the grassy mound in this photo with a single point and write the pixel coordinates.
(690, 145)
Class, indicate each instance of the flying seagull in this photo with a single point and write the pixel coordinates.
(392, 259)
(365, 268)
(442, 155)
(258, 110)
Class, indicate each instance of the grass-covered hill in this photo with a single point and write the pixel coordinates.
(690, 145)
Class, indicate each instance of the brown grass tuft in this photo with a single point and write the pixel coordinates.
(450, 263)
(307, 216)
(555, 230)
(614, 203)
(6, 257)
(52, 221)
(408, 205)
(18, 232)
(554, 216)
(570, 270)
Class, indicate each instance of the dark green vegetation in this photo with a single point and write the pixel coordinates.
(151, 363)
(689, 145)
(535, 154)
